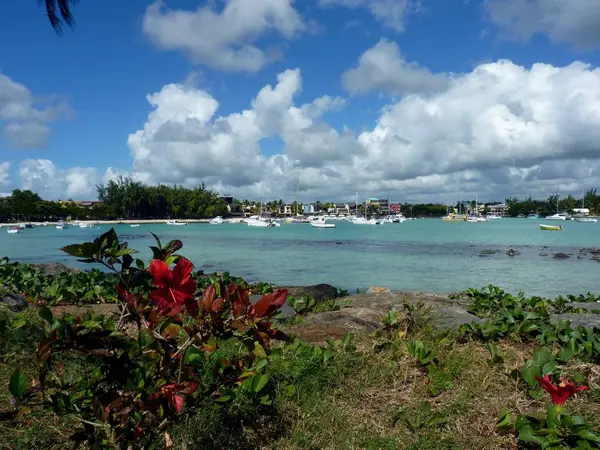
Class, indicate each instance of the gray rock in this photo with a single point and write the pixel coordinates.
(579, 320)
(447, 317)
(543, 254)
(512, 253)
(54, 269)
(485, 252)
(589, 306)
(560, 256)
(319, 292)
(11, 300)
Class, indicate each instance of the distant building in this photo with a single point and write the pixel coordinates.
(89, 204)
(227, 199)
(395, 208)
(287, 210)
(308, 209)
(499, 209)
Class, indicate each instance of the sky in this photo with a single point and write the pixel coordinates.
(422, 100)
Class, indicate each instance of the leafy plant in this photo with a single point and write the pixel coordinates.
(169, 351)
(421, 352)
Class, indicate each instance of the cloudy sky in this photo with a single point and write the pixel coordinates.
(433, 100)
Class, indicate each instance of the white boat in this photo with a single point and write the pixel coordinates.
(134, 225)
(61, 226)
(558, 216)
(586, 219)
(216, 221)
(550, 227)
(399, 218)
(493, 217)
(13, 230)
(320, 222)
(261, 223)
(85, 225)
(176, 222)
(365, 221)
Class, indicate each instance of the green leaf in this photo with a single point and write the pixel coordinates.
(527, 434)
(259, 381)
(259, 350)
(86, 250)
(327, 355)
(193, 356)
(18, 383)
(223, 399)
(504, 421)
(46, 314)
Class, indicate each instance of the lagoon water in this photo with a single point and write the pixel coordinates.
(419, 255)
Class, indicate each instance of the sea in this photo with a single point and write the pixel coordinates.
(417, 255)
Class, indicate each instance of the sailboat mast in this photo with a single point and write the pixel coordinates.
(297, 187)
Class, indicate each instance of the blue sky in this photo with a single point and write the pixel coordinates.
(88, 93)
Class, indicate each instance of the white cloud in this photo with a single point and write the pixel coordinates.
(23, 117)
(4, 173)
(224, 39)
(572, 21)
(500, 130)
(383, 68)
(77, 183)
(391, 13)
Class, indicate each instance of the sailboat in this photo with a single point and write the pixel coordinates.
(364, 220)
(259, 221)
(453, 216)
(558, 215)
(584, 213)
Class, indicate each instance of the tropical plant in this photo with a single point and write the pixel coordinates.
(170, 351)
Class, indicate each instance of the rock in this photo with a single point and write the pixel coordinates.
(319, 292)
(579, 320)
(379, 290)
(589, 306)
(54, 269)
(543, 254)
(11, 300)
(560, 256)
(486, 252)
(512, 253)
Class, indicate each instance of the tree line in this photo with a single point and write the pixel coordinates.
(118, 199)
(553, 204)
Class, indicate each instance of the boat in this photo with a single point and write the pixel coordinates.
(216, 221)
(493, 217)
(551, 227)
(586, 219)
(583, 214)
(61, 226)
(13, 230)
(533, 216)
(260, 221)
(85, 225)
(176, 222)
(558, 216)
(28, 225)
(521, 216)
(320, 222)
(134, 225)
(453, 217)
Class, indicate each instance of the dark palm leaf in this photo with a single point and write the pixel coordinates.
(59, 13)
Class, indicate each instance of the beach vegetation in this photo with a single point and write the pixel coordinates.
(191, 362)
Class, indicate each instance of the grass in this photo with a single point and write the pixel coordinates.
(370, 394)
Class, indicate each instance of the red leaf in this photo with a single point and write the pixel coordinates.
(192, 307)
(177, 402)
(188, 387)
(208, 297)
(125, 296)
(270, 303)
(239, 299)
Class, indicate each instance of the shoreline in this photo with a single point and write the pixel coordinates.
(114, 222)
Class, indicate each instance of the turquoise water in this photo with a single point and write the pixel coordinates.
(420, 255)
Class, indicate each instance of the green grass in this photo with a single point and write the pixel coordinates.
(370, 394)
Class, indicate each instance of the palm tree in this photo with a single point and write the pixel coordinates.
(59, 13)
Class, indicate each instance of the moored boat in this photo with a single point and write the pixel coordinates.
(550, 227)
(176, 222)
(586, 219)
(217, 221)
(320, 222)
(13, 230)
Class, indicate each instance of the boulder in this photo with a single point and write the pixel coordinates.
(512, 253)
(319, 292)
(543, 254)
(486, 252)
(54, 269)
(11, 300)
(560, 256)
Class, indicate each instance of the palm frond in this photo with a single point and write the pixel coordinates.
(59, 13)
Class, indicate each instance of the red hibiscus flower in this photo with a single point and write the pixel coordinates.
(562, 392)
(172, 289)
